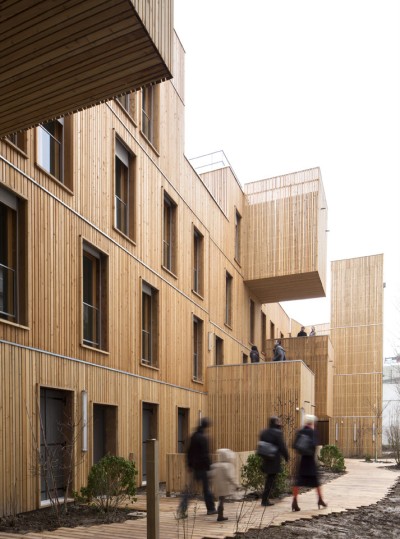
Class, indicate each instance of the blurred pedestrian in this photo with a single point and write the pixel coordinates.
(307, 472)
(199, 462)
(254, 354)
(272, 466)
(279, 351)
(223, 479)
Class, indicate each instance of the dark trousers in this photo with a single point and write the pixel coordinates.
(202, 477)
(220, 509)
(269, 483)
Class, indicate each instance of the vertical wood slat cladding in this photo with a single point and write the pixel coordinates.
(242, 398)
(23, 372)
(286, 236)
(79, 54)
(357, 337)
(317, 353)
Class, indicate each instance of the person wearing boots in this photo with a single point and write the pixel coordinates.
(272, 466)
(307, 473)
(223, 479)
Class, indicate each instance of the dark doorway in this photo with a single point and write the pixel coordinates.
(183, 429)
(149, 431)
(104, 431)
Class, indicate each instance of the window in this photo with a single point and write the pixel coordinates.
(198, 241)
(95, 286)
(263, 332)
(18, 139)
(245, 358)
(12, 257)
(238, 220)
(124, 101)
(197, 348)
(228, 299)
(128, 102)
(150, 105)
(124, 190)
(252, 314)
(272, 330)
(54, 149)
(169, 234)
(149, 325)
(219, 351)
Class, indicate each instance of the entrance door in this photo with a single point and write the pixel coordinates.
(55, 442)
(149, 431)
(104, 431)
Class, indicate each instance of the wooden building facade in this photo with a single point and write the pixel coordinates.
(132, 288)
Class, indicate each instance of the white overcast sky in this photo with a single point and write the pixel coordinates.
(287, 85)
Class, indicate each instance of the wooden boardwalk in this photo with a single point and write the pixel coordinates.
(364, 484)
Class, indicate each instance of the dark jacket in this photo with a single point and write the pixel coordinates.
(198, 456)
(279, 353)
(307, 465)
(274, 435)
(254, 356)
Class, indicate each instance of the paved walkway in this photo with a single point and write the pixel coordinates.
(364, 484)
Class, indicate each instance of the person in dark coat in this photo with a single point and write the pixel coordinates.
(199, 463)
(307, 472)
(302, 332)
(254, 354)
(271, 467)
(279, 352)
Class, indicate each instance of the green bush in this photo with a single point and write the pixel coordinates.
(111, 481)
(253, 478)
(332, 458)
(251, 475)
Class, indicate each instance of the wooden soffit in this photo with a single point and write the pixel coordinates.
(60, 57)
(287, 288)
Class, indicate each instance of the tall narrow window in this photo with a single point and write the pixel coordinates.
(252, 314)
(238, 220)
(50, 147)
(124, 190)
(228, 299)
(219, 351)
(149, 325)
(169, 234)
(263, 333)
(12, 257)
(54, 149)
(95, 284)
(197, 348)
(198, 274)
(150, 100)
(272, 330)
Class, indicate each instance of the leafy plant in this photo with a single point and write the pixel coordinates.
(253, 478)
(251, 475)
(332, 458)
(111, 481)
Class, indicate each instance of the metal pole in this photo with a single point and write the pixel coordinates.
(152, 488)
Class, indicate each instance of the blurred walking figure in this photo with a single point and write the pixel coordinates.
(272, 466)
(223, 479)
(199, 462)
(305, 443)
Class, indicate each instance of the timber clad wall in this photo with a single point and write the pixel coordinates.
(242, 398)
(140, 285)
(290, 264)
(357, 337)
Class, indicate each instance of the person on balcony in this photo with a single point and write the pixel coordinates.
(312, 332)
(254, 354)
(279, 351)
(302, 332)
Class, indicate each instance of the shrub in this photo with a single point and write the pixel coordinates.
(332, 458)
(111, 481)
(253, 478)
(251, 475)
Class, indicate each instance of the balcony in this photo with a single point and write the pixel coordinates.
(241, 399)
(60, 57)
(285, 238)
(318, 354)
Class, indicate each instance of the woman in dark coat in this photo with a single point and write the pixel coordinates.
(271, 467)
(307, 472)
